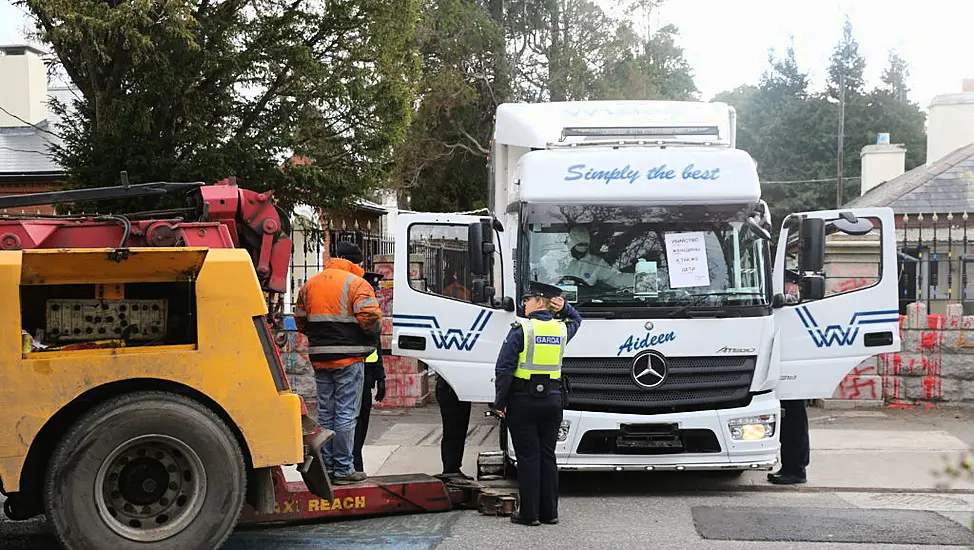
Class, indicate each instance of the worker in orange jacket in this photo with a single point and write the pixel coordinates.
(340, 315)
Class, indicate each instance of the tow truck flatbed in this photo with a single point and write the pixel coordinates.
(379, 496)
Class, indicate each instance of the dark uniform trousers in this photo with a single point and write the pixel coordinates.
(362, 423)
(455, 415)
(534, 423)
(794, 438)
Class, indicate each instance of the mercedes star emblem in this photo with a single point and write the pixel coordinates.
(649, 325)
(649, 369)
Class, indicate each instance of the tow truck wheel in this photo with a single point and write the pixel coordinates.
(147, 468)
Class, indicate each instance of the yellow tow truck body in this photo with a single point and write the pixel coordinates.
(225, 359)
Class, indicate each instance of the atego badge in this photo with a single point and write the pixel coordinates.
(649, 369)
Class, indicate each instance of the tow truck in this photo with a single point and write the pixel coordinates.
(145, 401)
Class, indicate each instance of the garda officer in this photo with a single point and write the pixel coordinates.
(375, 377)
(528, 395)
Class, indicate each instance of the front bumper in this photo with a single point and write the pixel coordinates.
(720, 451)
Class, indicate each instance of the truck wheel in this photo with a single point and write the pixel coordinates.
(148, 468)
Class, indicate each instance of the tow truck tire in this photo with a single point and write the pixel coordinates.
(147, 469)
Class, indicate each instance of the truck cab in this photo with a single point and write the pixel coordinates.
(652, 223)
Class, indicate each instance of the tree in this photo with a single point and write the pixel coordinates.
(791, 131)
(479, 53)
(889, 109)
(657, 70)
(205, 89)
(442, 163)
(894, 78)
(846, 60)
(783, 79)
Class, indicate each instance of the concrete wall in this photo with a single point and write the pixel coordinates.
(935, 364)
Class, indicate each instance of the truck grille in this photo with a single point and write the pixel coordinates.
(693, 383)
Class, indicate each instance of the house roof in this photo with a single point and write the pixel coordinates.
(25, 150)
(941, 187)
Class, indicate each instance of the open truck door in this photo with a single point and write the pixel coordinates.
(447, 311)
(835, 284)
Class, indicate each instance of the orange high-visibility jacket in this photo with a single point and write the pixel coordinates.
(339, 313)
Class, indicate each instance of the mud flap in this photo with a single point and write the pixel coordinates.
(260, 490)
(313, 470)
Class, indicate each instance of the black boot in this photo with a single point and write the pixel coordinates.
(786, 478)
(516, 518)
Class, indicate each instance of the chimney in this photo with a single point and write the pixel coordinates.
(950, 123)
(881, 162)
(23, 94)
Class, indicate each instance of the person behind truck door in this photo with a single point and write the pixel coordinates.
(528, 396)
(590, 268)
(454, 289)
(795, 447)
(375, 378)
(454, 414)
(339, 313)
(455, 417)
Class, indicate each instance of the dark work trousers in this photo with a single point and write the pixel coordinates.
(794, 438)
(534, 423)
(455, 415)
(362, 424)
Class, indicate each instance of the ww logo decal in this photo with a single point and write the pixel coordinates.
(838, 335)
(446, 338)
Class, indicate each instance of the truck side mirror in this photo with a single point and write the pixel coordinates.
(813, 288)
(812, 257)
(849, 224)
(480, 242)
(481, 292)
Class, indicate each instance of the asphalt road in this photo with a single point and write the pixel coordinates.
(621, 511)
(598, 511)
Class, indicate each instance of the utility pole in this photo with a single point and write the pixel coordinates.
(839, 187)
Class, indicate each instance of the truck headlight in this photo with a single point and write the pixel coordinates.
(563, 430)
(752, 428)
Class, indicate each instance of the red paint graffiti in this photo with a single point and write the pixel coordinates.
(855, 387)
(850, 284)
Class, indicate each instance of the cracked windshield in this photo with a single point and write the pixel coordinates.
(623, 256)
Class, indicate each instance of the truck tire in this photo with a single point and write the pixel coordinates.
(148, 469)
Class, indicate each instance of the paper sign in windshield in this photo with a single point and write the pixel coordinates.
(686, 255)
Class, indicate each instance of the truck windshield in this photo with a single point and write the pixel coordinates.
(623, 256)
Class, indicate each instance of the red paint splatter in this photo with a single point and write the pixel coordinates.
(932, 388)
(850, 284)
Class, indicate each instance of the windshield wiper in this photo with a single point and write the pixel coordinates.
(700, 298)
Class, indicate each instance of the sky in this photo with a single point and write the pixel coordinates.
(726, 42)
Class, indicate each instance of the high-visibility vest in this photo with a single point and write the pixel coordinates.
(374, 358)
(331, 302)
(544, 346)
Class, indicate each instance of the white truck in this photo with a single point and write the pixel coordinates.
(693, 332)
